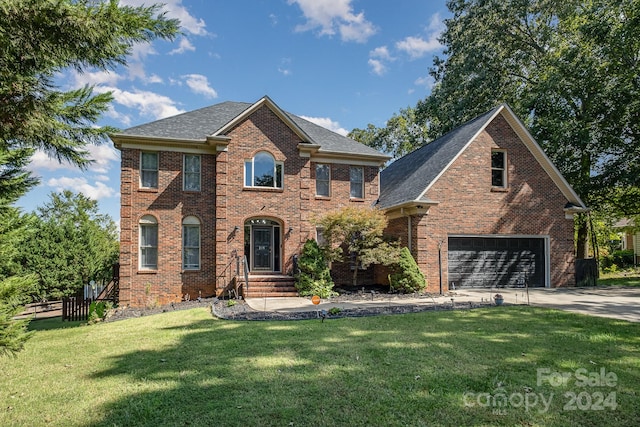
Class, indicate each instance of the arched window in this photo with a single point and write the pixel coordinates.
(191, 243)
(263, 171)
(148, 243)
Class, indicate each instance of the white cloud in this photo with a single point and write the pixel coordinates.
(381, 52)
(103, 156)
(154, 78)
(378, 59)
(199, 84)
(184, 46)
(149, 104)
(94, 78)
(377, 66)
(327, 123)
(175, 9)
(426, 82)
(417, 47)
(335, 16)
(96, 191)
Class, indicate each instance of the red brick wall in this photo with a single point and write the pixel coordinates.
(295, 205)
(169, 205)
(532, 205)
(222, 205)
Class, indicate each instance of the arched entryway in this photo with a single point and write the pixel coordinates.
(263, 245)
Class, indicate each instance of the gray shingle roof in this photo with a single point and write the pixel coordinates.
(406, 179)
(198, 124)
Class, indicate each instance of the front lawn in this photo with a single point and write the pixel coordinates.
(501, 365)
(628, 277)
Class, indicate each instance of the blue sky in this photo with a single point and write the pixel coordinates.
(339, 63)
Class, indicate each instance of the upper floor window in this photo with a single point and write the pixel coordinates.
(148, 243)
(191, 243)
(356, 182)
(323, 180)
(191, 172)
(263, 171)
(499, 168)
(148, 170)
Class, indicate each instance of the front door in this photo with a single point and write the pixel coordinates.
(262, 248)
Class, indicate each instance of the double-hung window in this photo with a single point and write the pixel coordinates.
(323, 180)
(263, 171)
(499, 169)
(148, 170)
(191, 172)
(148, 243)
(356, 182)
(191, 243)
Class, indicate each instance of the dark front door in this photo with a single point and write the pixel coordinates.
(262, 248)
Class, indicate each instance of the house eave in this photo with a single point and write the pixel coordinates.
(349, 158)
(412, 208)
(209, 143)
(571, 210)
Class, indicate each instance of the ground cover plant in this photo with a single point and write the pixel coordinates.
(431, 368)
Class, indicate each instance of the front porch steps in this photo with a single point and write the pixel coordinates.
(269, 285)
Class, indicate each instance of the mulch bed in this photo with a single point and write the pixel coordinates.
(240, 310)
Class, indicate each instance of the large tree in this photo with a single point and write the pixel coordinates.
(401, 134)
(38, 40)
(71, 243)
(569, 68)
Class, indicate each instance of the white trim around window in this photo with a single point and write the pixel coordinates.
(149, 165)
(263, 171)
(498, 169)
(191, 246)
(148, 243)
(191, 167)
(323, 180)
(356, 182)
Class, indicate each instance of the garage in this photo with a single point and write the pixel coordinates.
(484, 262)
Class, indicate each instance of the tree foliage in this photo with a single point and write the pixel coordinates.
(38, 40)
(355, 235)
(314, 277)
(569, 68)
(72, 243)
(402, 134)
(14, 287)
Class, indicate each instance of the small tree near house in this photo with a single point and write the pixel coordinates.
(406, 276)
(356, 235)
(314, 277)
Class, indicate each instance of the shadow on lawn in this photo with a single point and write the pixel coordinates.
(388, 370)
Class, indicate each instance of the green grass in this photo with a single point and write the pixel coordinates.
(187, 368)
(629, 277)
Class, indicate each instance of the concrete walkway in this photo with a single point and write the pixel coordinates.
(613, 302)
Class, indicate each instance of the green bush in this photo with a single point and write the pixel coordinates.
(617, 260)
(314, 277)
(407, 277)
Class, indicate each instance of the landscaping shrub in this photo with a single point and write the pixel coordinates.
(617, 260)
(407, 277)
(314, 277)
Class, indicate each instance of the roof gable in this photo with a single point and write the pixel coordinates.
(409, 178)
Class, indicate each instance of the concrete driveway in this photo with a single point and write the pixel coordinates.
(613, 302)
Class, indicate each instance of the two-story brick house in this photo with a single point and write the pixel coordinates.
(202, 190)
(205, 189)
